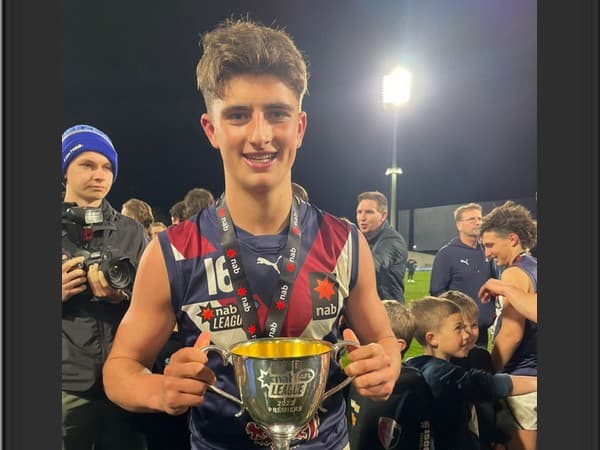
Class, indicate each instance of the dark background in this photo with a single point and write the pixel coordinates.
(33, 84)
(468, 134)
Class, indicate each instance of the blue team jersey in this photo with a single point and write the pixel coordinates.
(203, 300)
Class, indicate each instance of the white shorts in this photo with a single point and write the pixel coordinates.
(521, 411)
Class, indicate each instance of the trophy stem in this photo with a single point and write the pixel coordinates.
(280, 442)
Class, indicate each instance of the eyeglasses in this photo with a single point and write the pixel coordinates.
(472, 219)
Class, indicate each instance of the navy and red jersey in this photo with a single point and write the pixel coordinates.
(203, 299)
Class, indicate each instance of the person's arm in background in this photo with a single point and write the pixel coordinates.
(524, 302)
(441, 273)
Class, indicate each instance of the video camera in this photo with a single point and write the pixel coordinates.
(78, 223)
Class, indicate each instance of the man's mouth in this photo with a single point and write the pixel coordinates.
(260, 158)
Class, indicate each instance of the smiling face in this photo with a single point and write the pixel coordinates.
(503, 249)
(257, 126)
(450, 339)
(88, 179)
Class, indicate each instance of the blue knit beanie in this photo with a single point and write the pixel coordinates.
(83, 138)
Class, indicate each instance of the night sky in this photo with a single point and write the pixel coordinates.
(468, 134)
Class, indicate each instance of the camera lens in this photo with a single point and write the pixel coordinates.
(119, 272)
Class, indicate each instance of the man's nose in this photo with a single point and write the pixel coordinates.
(261, 131)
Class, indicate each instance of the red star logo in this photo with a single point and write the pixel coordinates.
(295, 230)
(325, 289)
(207, 313)
(280, 305)
(291, 267)
(231, 253)
(252, 329)
(221, 212)
(242, 291)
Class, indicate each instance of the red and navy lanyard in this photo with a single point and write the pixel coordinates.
(239, 280)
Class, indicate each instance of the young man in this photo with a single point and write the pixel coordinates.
(461, 265)
(92, 308)
(441, 332)
(508, 232)
(295, 266)
(402, 422)
(388, 247)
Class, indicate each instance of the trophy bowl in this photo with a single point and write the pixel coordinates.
(281, 381)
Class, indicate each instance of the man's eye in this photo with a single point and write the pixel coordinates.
(277, 115)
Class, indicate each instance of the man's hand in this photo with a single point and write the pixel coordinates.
(101, 288)
(490, 288)
(374, 369)
(73, 278)
(186, 378)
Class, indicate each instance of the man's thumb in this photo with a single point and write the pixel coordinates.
(349, 335)
(203, 339)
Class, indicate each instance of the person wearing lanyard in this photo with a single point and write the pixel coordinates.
(258, 263)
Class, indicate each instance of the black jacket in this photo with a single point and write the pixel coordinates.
(389, 254)
(88, 323)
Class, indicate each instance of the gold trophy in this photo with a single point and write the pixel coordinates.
(281, 381)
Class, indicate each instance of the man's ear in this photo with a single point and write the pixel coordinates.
(514, 239)
(384, 216)
(209, 129)
(302, 123)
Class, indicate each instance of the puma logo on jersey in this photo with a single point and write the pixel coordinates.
(266, 262)
(465, 261)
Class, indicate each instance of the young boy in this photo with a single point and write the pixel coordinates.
(478, 357)
(441, 332)
(257, 263)
(402, 421)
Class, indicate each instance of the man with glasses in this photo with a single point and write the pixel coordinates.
(461, 265)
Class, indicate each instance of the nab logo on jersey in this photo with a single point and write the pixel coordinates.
(221, 318)
(324, 295)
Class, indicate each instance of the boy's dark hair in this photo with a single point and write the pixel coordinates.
(512, 218)
(178, 210)
(196, 200)
(243, 47)
(467, 305)
(402, 321)
(429, 312)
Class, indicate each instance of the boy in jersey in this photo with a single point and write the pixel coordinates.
(257, 263)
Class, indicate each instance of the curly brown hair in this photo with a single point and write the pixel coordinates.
(512, 218)
(241, 47)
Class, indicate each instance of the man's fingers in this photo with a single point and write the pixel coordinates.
(203, 339)
(350, 335)
(68, 264)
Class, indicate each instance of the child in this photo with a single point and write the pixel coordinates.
(401, 422)
(442, 333)
(478, 357)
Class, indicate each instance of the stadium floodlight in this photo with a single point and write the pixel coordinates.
(396, 92)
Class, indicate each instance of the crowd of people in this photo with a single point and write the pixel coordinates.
(140, 299)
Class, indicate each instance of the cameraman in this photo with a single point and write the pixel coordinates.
(92, 308)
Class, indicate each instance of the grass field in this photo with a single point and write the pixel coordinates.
(418, 289)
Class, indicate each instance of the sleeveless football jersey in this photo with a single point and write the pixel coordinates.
(524, 359)
(203, 300)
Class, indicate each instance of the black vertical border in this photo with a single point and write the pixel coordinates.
(568, 224)
(32, 120)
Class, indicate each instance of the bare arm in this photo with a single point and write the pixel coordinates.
(377, 364)
(524, 302)
(523, 385)
(513, 323)
(142, 333)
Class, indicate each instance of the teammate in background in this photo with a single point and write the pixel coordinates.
(387, 245)
(297, 267)
(508, 232)
(411, 268)
(141, 211)
(196, 200)
(461, 265)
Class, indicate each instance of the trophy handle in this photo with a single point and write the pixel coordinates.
(225, 357)
(337, 347)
